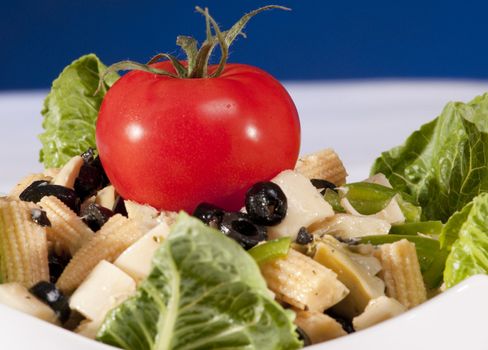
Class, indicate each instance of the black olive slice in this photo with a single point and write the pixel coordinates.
(95, 216)
(266, 203)
(239, 227)
(53, 297)
(209, 214)
(39, 189)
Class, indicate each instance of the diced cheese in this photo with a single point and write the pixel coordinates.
(378, 310)
(347, 226)
(136, 260)
(18, 297)
(106, 197)
(105, 288)
(305, 205)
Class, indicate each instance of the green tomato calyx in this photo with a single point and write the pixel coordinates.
(197, 58)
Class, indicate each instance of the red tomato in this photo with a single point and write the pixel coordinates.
(174, 143)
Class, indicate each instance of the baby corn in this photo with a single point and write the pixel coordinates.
(23, 245)
(114, 237)
(303, 283)
(325, 165)
(401, 273)
(67, 231)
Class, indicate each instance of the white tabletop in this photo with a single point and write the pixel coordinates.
(360, 119)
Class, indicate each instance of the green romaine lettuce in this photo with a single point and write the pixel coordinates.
(469, 252)
(444, 164)
(71, 110)
(204, 292)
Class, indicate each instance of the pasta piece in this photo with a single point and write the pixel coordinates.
(325, 165)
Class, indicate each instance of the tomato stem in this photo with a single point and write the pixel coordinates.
(197, 58)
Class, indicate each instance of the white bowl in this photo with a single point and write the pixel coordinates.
(359, 120)
(451, 321)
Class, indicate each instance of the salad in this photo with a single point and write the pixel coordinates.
(174, 212)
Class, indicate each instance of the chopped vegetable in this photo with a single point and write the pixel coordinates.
(270, 250)
(371, 198)
(368, 198)
(431, 228)
(333, 198)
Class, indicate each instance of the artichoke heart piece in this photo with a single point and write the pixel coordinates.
(363, 286)
(347, 226)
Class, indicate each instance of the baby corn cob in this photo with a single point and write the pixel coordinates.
(318, 326)
(26, 182)
(23, 245)
(303, 283)
(69, 172)
(67, 231)
(401, 273)
(324, 164)
(114, 237)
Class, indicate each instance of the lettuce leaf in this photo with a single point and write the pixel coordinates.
(443, 165)
(71, 109)
(469, 252)
(204, 292)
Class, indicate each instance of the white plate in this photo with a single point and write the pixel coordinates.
(359, 120)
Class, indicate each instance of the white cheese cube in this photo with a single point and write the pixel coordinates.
(305, 205)
(106, 197)
(105, 288)
(136, 260)
(18, 297)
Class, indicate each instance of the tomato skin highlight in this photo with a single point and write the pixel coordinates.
(174, 143)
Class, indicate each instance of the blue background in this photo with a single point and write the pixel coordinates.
(317, 40)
